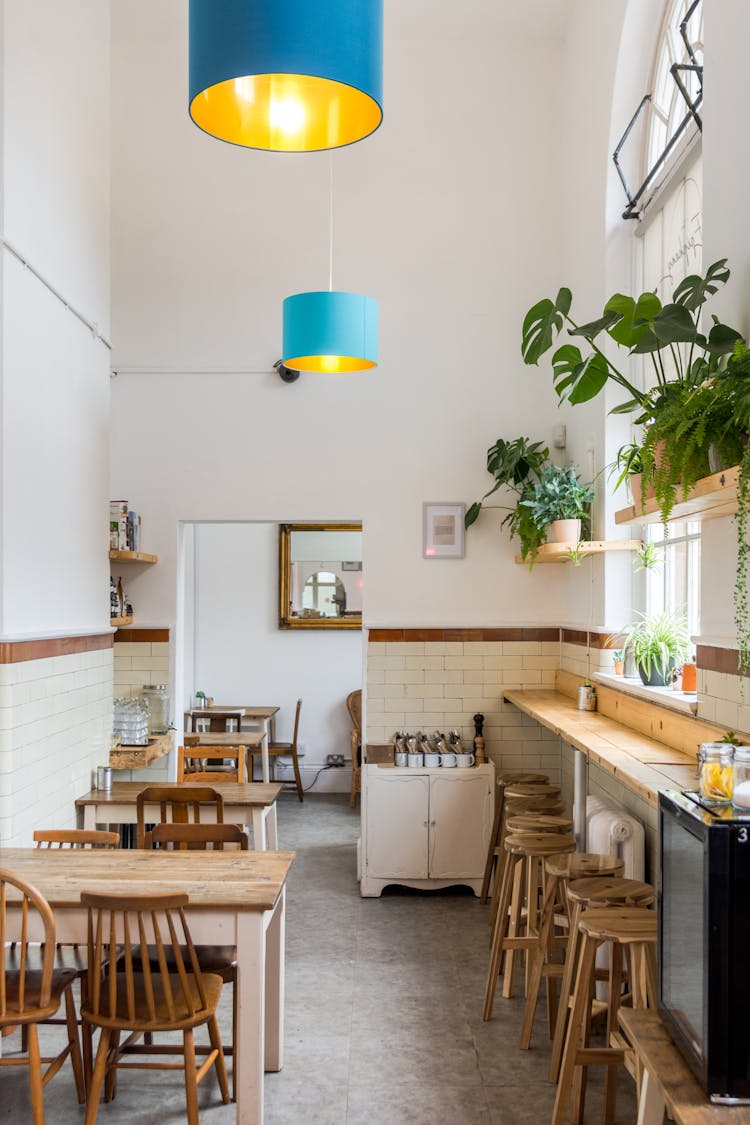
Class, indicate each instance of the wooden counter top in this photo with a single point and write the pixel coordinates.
(634, 756)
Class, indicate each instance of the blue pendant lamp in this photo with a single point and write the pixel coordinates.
(286, 75)
(330, 331)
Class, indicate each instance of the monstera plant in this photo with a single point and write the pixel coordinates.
(669, 336)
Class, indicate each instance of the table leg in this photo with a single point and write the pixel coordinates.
(264, 757)
(260, 840)
(249, 1041)
(274, 1052)
(651, 1105)
(272, 830)
(89, 817)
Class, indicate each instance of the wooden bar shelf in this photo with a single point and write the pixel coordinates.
(132, 557)
(138, 757)
(118, 622)
(560, 552)
(710, 498)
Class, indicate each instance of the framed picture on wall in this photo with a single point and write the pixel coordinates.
(443, 531)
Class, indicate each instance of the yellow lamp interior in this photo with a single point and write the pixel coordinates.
(285, 112)
(328, 363)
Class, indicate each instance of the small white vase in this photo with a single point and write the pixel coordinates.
(567, 531)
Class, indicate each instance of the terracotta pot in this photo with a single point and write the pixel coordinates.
(618, 667)
(567, 531)
(689, 677)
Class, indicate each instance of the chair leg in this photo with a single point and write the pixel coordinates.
(491, 863)
(35, 1075)
(297, 777)
(566, 990)
(221, 1070)
(514, 926)
(234, 1037)
(110, 1081)
(496, 951)
(191, 1081)
(97, 1078)
(537, 958)
(615, 991)
(75, 1048)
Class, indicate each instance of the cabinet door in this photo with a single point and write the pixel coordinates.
(460, 824)
(397, 828)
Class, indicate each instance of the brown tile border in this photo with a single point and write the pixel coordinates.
(18, 652)
(711, 659)
(138, 636)
(510, 633)
(588, 639)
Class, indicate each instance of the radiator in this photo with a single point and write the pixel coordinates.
(613, 831)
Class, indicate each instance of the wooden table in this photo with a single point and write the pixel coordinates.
(668, 1082)
(236, 898)
(265, 717)
(252, 739)
(253, 803)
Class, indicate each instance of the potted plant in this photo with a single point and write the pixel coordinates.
(658, 644)
(668, 334)
(559, 498)
(628, 465)
(618, 661)
(516, 466)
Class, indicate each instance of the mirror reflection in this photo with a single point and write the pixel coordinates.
(320, 578)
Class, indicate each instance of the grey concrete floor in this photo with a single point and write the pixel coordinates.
(383, 1012)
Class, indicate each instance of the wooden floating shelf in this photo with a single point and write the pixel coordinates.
(118, 621)
(710, 498)
(132, 557)
(138, 757)
(560, 552)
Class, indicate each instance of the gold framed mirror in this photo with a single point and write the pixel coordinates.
(320, 576)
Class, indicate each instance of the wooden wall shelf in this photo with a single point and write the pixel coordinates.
(132, 557)
(120, 621)
(138, 757)
(710, 498)
(559, 552)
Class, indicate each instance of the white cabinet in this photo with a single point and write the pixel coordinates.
(425, 828)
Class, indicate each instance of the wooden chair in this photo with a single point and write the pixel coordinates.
(220, 959)
(289, 750)
(127, 994)
(75, 838)
(354, 707)
(175, 837)
(193, 764)
(176, 803)
(507, 777)
(31, 991)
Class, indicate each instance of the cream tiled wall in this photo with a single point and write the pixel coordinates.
(423, 685)
(583, 660)
(137, 663)
(55, 723)
(724, 699)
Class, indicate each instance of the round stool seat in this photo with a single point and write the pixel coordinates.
(625, 924)
(552, 806)
(582, 865)
(522, 777)
(538, 822)
(539, 843)
(513, 791)
(602, 892)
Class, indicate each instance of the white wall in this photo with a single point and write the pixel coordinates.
(449, 216)
(55, 384)
(241, 656)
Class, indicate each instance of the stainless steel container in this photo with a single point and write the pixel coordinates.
(104, 778)
(586, 698)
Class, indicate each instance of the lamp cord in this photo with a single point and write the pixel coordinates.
(330, 223)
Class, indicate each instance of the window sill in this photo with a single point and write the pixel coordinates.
(684, 701)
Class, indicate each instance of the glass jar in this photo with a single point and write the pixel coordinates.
(715, 772)
(158, 704)
(741, 778)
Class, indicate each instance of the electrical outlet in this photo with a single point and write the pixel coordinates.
(335, 760)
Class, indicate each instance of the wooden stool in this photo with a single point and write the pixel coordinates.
(521, 853)
(520, 799)
(507, 777)
(630, 928)
(559, 871)
(582, 894)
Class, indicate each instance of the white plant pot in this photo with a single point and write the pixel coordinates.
(567, 531)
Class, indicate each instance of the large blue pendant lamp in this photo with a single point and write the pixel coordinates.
(330, 331)
(287, 75)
